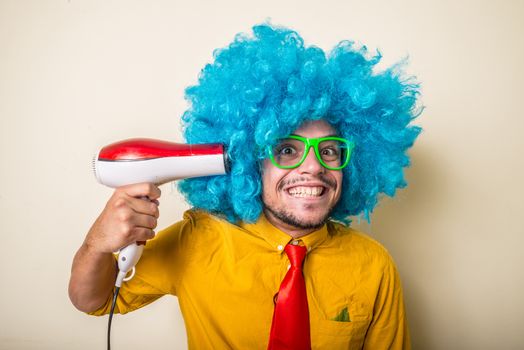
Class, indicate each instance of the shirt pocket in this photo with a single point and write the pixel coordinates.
(340, 335)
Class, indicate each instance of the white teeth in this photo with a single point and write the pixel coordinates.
(306, 191)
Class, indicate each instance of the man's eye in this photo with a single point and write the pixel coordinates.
(330, 151)
(286, 151)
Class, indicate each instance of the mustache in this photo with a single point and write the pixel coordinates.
(327, 182)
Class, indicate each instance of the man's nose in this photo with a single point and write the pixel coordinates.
(311, 165)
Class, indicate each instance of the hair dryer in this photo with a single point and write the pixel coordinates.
(148, 160)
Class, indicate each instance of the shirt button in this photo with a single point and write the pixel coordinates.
(288, 266)
(295, 242)
(280, 247)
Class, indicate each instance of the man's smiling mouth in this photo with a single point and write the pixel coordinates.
(306, 191)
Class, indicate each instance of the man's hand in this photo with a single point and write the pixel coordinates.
(130, 215)
(127, 217)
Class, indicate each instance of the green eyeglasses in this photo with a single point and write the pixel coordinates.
(331, 151)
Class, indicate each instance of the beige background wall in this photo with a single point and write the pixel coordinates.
(76, 75)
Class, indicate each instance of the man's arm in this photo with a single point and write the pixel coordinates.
(125, 219)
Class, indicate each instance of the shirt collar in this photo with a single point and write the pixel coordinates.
(279, 239)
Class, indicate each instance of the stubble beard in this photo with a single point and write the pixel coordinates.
(292, 220)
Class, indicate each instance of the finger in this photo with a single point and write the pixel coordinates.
(145, 189)
(145, 221)
(143, 234)
(144, 206)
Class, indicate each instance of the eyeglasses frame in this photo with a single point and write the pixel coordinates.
(314, 142)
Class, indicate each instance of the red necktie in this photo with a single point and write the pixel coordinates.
(290, 328)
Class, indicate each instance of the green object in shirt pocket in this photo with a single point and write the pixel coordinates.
(343, 316)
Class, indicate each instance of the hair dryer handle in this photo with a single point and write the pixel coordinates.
(127, 259)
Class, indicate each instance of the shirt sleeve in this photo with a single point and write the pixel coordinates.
(158, 271)
(133, 295)
(388, 328)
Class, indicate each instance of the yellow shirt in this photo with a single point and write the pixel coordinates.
(225, 277)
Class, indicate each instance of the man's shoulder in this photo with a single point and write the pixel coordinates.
(198, 223)
(196, 228)
(195, 218)
(356, 242)
(203, 221)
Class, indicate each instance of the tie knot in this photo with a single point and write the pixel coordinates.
(296, 255)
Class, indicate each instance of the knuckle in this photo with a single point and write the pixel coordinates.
(119, 202)
(125, 215)
(126, 229)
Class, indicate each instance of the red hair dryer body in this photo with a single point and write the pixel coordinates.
(148, 160)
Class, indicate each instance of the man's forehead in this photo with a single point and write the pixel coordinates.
(315, 128)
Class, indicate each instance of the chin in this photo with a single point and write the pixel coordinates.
(312, 216)
(309, 219)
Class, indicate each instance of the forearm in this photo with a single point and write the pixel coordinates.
(125, 219)
(92, 278)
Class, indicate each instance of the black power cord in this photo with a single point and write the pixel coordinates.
(117, 289)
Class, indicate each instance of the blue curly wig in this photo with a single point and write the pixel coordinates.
(262, 87)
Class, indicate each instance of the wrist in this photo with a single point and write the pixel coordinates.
(93, 250)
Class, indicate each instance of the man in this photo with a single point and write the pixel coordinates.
(265, 258)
